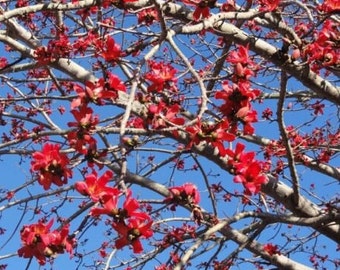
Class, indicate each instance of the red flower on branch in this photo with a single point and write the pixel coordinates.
(51, 166)
(271, 249)
(97, 92)
(237, 107)
(181, 195)
(330, 6)
(162, 76)
(86, 125)
(246, 169)
(251, 176)
(96, 188)
(132, 232)
(162, 116)
(268, 5)
(147, 16)
(111, 51)
(109, 203)
(39, 242)
(213, 133)
(202, 8)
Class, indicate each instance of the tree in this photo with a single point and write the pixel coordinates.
(170, 134)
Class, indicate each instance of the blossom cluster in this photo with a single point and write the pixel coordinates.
(39, 242)
(130, 224)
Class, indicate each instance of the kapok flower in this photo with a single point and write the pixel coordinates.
(213, 133)
(181, 195)
(97, 92)
(131, 233)
(85, 124)
(51, 166)
(162, 76)
(96, 187)
(271, 249)
(39, 242)
(112, 51)
(109, 203)
(251, 177)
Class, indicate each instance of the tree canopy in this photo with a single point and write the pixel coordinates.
(168, 135)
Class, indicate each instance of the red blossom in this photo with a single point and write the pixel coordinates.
(330, 6)
(3, 62)
(39, 242)
(202, 8)
(246, 169)
(237, 105)
(161, 116)
(162, 76)
(271, 249)
(213, 133)
(55, 49)
(268, 5)
(109, 203)
(147, 16)
(181, 195)
(111, 51)
(318, 107)
(85, 124)
(97, 92)
(179, 234)
(51, 166)
(130, 233)
(96, 187)
(251, 177)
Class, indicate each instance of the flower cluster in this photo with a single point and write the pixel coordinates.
(56, 49)
(238, 96)
(188, 195)
(324, 51)
(51, 166)
(130, 224)
(271, 249)
(81, 138)
(39, 242)
(213, 133)
(202, 9)
(97, 92)
(246, 169)
(111, 50)
(147, 16)
(161, 76)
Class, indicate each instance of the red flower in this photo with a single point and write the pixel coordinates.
(318, 107)
(238, 158)
(97, 92)
(109, 202)
(237, 106)
(51, 166)
(162, 76)
(112, 51)
(202, 8)
(271, 249)
(181, 195)
(96, 187)
(213, 133)
(109, 207)
(39, 242)
(161, 116)
(268, 5)
(251, 177)
(130, 234)
(147, 15)
(86, 124)
(3, 62)
(330, 6)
